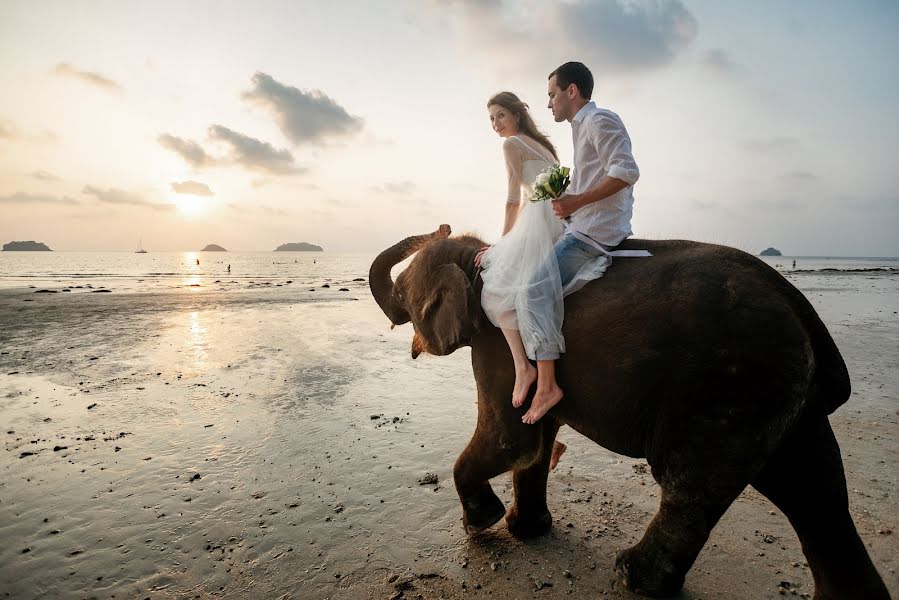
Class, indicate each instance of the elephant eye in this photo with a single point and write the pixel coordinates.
(433, 305)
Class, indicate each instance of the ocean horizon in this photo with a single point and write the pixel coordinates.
(130, 271)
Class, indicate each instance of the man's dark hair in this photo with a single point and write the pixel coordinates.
(576, 73)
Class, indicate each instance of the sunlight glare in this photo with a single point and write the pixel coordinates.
(197, 342)
(190, 206)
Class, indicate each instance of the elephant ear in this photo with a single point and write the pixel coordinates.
(448, 315)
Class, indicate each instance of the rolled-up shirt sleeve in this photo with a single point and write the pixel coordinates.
(614, 147)
(513, 170)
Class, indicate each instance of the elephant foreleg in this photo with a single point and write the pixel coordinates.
(491, 452)
(530, 517)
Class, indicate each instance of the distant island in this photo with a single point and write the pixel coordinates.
(29, 246)
(770, 252)
(298, 247)
(213, 248)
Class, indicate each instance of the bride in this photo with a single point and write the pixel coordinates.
(522, 292)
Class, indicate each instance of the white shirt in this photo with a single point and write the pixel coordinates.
(602, 147)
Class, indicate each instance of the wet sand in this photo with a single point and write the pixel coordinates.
(269, 443)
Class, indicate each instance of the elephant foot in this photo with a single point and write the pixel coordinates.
(648, 573)
(480, 514)
(528, 526)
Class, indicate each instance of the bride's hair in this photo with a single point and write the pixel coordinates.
(526, 124)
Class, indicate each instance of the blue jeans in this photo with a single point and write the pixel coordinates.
(572, 254)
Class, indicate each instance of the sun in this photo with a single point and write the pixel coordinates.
(190, 206)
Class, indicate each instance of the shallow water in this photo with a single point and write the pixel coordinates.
(127, 271)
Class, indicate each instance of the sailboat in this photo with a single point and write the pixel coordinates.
(140, 246)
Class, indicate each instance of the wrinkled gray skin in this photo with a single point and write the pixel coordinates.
(702, 360)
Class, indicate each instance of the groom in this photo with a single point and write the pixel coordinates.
(599, 202)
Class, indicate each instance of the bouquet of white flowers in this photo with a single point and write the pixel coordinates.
(551, 183)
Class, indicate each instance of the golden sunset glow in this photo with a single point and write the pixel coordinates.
(191, 206)
(254, 144)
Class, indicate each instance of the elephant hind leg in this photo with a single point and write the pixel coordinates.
(700, 476)
(658, 564)
(804, 478)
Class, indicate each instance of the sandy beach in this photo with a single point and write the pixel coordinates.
(270, 443)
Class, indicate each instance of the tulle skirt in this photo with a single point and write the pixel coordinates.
(522, 286)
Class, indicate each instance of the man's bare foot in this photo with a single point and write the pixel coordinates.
(543, 400)
(558, 450)
(524, 379)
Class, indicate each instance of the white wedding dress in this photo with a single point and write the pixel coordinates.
(522, 287)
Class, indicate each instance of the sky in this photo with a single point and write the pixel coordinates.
(353, 124)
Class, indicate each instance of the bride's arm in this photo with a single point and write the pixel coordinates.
(511, 215)
(513, 157)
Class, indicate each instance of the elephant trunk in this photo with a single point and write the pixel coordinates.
(379, 279)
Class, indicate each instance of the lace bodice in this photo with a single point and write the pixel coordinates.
(525, 159)
(529, 171)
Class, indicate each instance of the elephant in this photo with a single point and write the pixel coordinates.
(702, 360)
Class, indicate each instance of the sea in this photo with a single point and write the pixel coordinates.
(158, 271)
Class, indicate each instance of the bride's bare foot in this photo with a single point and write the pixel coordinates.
(545, 398)
(558, 450)
(524, 379)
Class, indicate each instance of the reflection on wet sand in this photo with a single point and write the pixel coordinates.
(197, 348)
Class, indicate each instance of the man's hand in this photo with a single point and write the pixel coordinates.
(480, 255)
(566, 204)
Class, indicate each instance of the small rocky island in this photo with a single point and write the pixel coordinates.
(770, 252)
(29, 246)
(298, 247)
(213, 248)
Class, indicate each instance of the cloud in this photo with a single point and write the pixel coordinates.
(189, 150)
(775, 144)
(25, 198)
(294, 185)
(239, 149)
(613, 37)
(719, 62)
(276, 212)
(195, 188)
(260, 182)
(44, 175)
(703, 204)
(775, 204)
(403, 188)
(799, 176)
(8, 130)
(89, 77)
(121, 197)
(262, 208)
(626, 36)
(254, 154)
(886, 203)
(305, 117)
